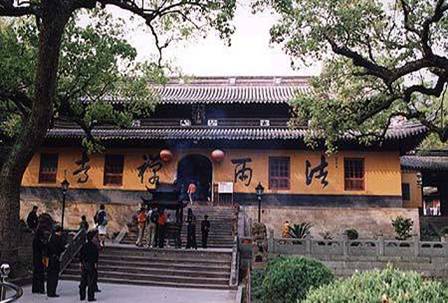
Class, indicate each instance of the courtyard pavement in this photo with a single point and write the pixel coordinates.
(114, 293)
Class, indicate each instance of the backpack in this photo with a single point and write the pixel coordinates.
(154, 216)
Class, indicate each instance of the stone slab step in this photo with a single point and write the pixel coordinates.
(197, 261)
(223, 268)
(150, 283)
(125, 275)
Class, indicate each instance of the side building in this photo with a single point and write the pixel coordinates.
(228, 135)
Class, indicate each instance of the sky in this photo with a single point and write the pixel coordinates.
(249, 55)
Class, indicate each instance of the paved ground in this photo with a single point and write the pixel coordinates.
(113, 293)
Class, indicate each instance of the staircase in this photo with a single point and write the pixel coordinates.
(222, 220)
(127, 264)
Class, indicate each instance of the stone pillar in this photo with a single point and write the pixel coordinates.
(381, 245)
(416, 245)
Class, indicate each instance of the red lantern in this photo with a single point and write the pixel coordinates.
(218, 155)
(166, 155)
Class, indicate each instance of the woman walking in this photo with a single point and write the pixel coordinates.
(191, 230)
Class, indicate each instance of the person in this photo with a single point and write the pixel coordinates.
(96, 241)
(100, 220)
(89, 260)
(153, 216)
(191, 191)
(161, 222)
(141, 223)
(84, 224)
(32, 220)
(191, 230)
(285, 230)
(55, 248)
(205, 229)
(38, 263)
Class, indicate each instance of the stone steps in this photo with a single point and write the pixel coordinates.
(161, 267)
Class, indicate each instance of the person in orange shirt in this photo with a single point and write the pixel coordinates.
(191, 191)
(161, 223)
(285, 230)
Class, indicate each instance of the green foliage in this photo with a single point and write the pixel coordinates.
(352, 234)
(300, 231)
(386, 286)
(96, 65)
(289, 279)
(403, 227)
(444, 231)
(364, 88)
(257, 276)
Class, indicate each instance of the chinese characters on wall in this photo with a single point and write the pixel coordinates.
(83, 168)
(242, 172)
(153, 163)
(320, 171)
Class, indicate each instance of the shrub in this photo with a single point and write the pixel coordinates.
(403, 227)
(386, 286)
(352, 234)
(444, 231)
(257, 276)
(300, 231)
(289, 279)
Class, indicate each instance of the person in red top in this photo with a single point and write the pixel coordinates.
(191, 191)
(161, 222)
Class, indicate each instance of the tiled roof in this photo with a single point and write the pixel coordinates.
(428, 161)
(215, 133)
(230, 90)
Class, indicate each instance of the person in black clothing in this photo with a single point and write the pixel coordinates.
(89, 259)
(191, 230)
(38, 263)
(205, 228)
(55, 248)
(84, 224)
(32, 220)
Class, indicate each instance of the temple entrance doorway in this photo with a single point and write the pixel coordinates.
(198, 169)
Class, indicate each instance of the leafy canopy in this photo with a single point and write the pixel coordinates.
(96, 64)
(382, 60)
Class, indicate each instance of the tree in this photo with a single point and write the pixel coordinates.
(384, 60)
(39, 95)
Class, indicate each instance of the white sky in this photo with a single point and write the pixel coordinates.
(249, 55)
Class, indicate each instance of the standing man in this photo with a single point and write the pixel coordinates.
(191, 230)
(205, 228)
(89, 261)
(84, 224)
(38, 263)
(32, 220)
(55, 248)
(191, 191)
(153, 216)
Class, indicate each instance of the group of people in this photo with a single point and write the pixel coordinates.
(155, 221)
(49, 243)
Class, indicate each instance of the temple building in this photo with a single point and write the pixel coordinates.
(228, 135)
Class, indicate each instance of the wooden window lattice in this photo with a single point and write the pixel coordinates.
(48, 168)
(354, 174)
(279, 173)
(113, 170)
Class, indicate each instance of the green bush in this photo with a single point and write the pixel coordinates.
(257, 276)
(386, 286)
(289, 279)
(403, 227)
(352, 234)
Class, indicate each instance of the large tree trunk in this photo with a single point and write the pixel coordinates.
(54, 19)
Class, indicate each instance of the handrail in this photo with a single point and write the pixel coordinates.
(235, 266)
(18, 292)
(72, 249)
(4, 272)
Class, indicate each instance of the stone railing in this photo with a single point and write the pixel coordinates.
(375, 248)
(235, 267)
(72, 249)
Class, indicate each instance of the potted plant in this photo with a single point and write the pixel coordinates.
(444, 234)
(403, 227)
(300, 231)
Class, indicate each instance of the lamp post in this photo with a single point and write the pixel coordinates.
(259, 190)
(64, 188)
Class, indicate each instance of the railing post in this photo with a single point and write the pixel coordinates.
(381, 245)
(344, 245)
(416, 246)
(308, 248)
(4, 273)
(271, 248)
